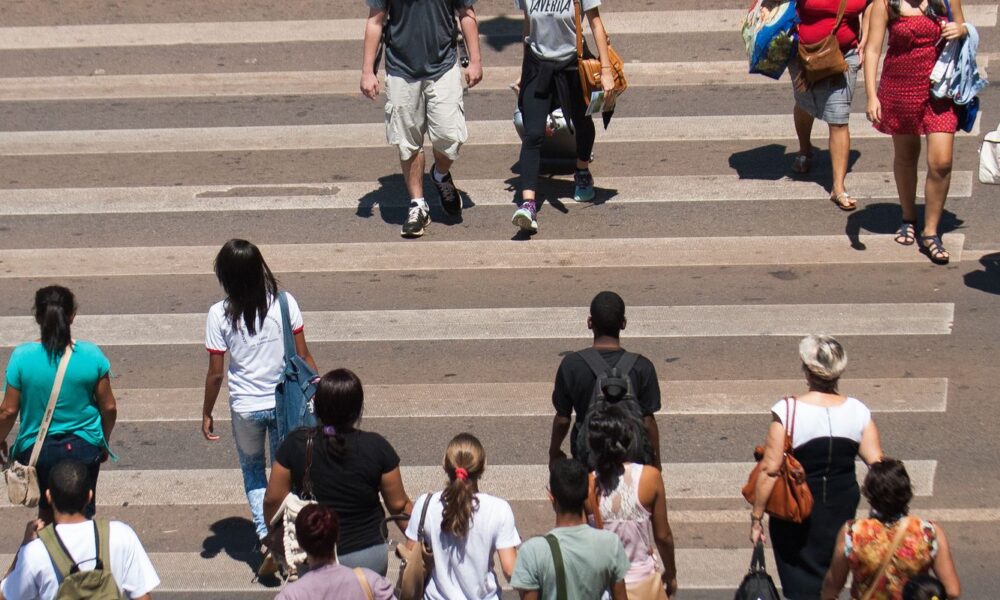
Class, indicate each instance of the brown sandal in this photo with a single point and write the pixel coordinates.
(844, 201)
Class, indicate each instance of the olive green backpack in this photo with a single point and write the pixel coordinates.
(97, 584)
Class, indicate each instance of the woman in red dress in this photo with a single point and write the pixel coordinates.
(904, 108)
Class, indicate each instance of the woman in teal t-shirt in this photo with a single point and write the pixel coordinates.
(85, 410)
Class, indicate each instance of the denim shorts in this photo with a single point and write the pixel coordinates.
(829, 99)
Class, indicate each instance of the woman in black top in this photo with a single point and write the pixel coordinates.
(351, 469)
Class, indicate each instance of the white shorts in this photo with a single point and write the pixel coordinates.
(432, 107)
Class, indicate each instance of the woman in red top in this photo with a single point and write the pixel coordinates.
(905, 109)
(829, 99)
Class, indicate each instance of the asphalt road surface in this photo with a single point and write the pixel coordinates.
(137, 136)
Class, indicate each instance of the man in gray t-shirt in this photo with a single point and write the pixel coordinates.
(424, 91)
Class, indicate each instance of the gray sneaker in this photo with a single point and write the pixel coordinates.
(417, 219)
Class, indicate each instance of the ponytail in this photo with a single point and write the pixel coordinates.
(54, 307)
(338, 403)
(464, 463)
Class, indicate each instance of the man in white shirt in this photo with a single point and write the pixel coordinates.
(33, 577)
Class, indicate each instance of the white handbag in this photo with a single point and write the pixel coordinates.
(22, 480)
(283, 544)
(989, 158)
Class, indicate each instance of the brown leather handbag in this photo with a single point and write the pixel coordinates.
(590, 67)
(416, 563)
(824, 58)
(790, 499)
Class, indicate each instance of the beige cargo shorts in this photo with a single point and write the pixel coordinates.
(432, 107)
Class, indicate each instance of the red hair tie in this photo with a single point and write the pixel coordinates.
(462, 474)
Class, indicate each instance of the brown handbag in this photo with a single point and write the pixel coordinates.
(790, 499)
(590, 67)
(416, 563)
(824, 58)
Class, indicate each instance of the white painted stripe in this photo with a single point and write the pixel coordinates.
(523, 324)
(195, 487)
(220, 573)
(530, 399)
(263, 32)
(302, 83)
(483, 192)
(309, 83)
(487, 254)
(372, 135)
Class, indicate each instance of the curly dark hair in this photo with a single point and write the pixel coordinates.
(887, 488)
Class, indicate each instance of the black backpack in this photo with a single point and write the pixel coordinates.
(757, 585)
(614, 386)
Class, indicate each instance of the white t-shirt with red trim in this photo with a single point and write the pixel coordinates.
(255, 361)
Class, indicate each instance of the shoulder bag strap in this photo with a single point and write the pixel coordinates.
(307, 484)
(421, 536)
(791, 405)
(364, 583)
(595, 361)
(579, 29)
(60, 556)
(840, 16)
(947, 8)
(286, 327)
(557, 560)
(43, 428)
(102, 533)
(896, 541)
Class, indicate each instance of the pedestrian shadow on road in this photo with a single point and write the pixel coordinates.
(237, 538)
(885, 217)
(987, 280)
(501, 31)
(774, 161)
(393, 201)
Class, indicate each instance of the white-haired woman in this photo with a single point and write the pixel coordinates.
(829, 431)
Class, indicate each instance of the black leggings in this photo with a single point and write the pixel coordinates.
(535, 110)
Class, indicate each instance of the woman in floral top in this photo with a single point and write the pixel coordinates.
(862, 545)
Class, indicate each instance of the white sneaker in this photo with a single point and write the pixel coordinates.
(416, 221)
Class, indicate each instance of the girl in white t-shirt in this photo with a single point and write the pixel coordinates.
(464, 528)
(247, 326)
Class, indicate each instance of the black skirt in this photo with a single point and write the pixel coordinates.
(803, 552)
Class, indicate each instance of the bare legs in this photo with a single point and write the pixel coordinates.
(840, 147)
(940, 147)
(413, 171)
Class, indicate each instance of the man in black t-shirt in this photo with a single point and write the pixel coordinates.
(574, 387)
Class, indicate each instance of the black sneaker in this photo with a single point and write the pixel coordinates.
(416, 220)
(451, 200)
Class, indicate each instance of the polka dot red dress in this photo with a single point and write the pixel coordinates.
(905, 88)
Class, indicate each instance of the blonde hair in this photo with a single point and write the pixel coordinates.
(465, 452)
(823, 357)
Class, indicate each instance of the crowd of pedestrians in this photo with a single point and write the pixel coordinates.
(425, 85)
(611, 535)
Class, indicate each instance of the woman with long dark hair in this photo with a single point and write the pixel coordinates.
(85, 411)
(317, 530)
(630, 501)
(248, 326)
(353, 472)
(903, 107)
(465, 527)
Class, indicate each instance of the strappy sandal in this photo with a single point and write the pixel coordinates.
(802, 163)
(844, 201)
(932, 246)
(906, 235)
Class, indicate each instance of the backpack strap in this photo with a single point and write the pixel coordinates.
(557, 560)
(102, 531)
(60, 556)
(595, 361)
(626, 362)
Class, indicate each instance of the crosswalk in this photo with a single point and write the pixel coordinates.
(723, 259)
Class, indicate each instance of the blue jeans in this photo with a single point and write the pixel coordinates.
(249, 430)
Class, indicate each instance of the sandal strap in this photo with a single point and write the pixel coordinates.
(907, 229)
(936, 246)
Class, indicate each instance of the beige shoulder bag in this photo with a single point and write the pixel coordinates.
(22, 480)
